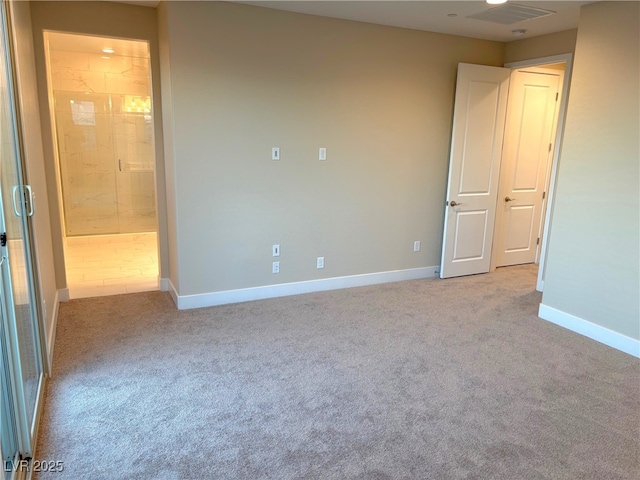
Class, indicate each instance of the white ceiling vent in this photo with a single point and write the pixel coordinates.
(511, 13)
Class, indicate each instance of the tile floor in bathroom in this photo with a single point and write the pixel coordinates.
(111, 264)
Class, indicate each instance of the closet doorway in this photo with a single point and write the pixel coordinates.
(501, 173)
(100, 92)
(22, 361)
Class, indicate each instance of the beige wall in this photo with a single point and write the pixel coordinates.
(108, 19)
(34, 160)
(542, 46)
(244, 79)
(169, 151)
(593, 258)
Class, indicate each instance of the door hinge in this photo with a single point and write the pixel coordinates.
(557, 96)
(550, 146)
(3, 239)
(538, 241)
(544, 194)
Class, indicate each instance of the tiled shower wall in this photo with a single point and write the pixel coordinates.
(105, 142)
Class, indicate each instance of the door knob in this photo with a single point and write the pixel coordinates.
(508, 199)
(453, 203)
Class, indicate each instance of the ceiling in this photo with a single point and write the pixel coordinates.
(433, 16)
(448, 16)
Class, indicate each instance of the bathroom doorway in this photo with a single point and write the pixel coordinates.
(100, 93)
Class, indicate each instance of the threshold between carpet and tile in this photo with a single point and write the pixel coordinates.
(423, 379)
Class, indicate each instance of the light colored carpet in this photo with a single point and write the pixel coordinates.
(428, 379)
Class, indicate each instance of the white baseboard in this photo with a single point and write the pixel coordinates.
(184, 302)
(63, 295)
(173, 292)
(53, 325)
(163, 284)
(595, 332)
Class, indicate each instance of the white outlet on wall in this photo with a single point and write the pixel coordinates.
(416, 246)
(320, 262)
(275, 153)
(276, 267)
(322, 153)
(276, 250)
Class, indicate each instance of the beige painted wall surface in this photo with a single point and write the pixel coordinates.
(106, 19)
(245, 79)
(542, 46)
(169, 150)
(593, 259)
(34, 160)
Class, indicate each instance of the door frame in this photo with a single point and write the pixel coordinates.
(567, 59)
(26, 431)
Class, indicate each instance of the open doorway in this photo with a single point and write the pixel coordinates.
(100, 92)
(556, 65)
(481, 224)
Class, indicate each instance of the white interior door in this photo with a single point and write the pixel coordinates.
(474, 169)
(527, 152)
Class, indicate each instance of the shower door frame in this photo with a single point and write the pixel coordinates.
(107, 120)
(108, 94)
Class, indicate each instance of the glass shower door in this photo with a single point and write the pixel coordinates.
(83, 123)
(133, 146)
(105, 145)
